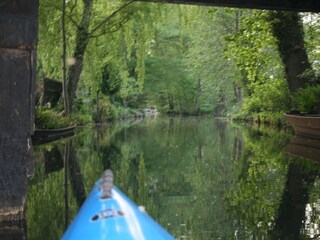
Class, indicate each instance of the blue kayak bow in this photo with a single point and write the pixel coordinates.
(109, 214)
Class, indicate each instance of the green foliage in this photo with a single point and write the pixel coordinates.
(307, 99)
(124, 113)
(206, 58)
(186, 72)
(182, 59)
(127, 34)
(48, 118)
(45, 201)
(104, 113)
(111, 83)
(261, 177)
(166, 77)
(268, 97)
(129, 92)
(311, 23)
(254, 49)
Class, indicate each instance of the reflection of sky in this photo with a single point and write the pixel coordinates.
(130, 217)
(312, 219)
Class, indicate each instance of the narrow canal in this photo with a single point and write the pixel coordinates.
(201, 178)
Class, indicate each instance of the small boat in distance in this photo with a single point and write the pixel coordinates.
(109, 214)
(307, 125)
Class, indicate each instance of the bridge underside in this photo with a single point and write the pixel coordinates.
(287, 5)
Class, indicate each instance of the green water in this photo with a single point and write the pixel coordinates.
(200, 178)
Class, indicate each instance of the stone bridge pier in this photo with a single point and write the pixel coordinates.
(18, 40)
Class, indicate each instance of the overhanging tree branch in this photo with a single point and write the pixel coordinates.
(114, 28)
(103, 22)
(72, 20)
(73, 6)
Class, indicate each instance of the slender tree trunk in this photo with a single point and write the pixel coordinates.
(196, 105)
(196, 101)
(98, 114)
(238, 15)
(287, 29)
(237, 92)
(82, 39)
(83, 36)
(64, 71)
(236, 88)
(171, 106)
(237, 145)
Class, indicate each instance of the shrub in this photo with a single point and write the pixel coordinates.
(48, 119)
(306, 99)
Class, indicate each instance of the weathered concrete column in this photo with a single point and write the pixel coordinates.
(18, 40)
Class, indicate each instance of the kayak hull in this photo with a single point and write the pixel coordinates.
(113, 218)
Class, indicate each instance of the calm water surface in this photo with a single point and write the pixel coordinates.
(201, 178)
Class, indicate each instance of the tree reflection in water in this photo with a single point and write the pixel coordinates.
(291, 215)
(200, 178)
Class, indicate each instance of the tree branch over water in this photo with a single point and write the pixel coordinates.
(114, 28)
(103, 22)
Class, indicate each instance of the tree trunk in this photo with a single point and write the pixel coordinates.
(237, 93)
(287, 29)
(82, 40)
(98, 113)
(64, 70)
(196, 105)
(171, 106)
(196, 101)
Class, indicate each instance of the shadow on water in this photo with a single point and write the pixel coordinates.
(277, 195)
(291, 215)
(296, 205)
(15, 167)
(75, 175)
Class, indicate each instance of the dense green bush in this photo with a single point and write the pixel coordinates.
(48, 119)
(306, 99)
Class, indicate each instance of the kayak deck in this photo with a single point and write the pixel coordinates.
(113, 217)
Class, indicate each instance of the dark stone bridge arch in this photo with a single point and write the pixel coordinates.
(288, 5)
